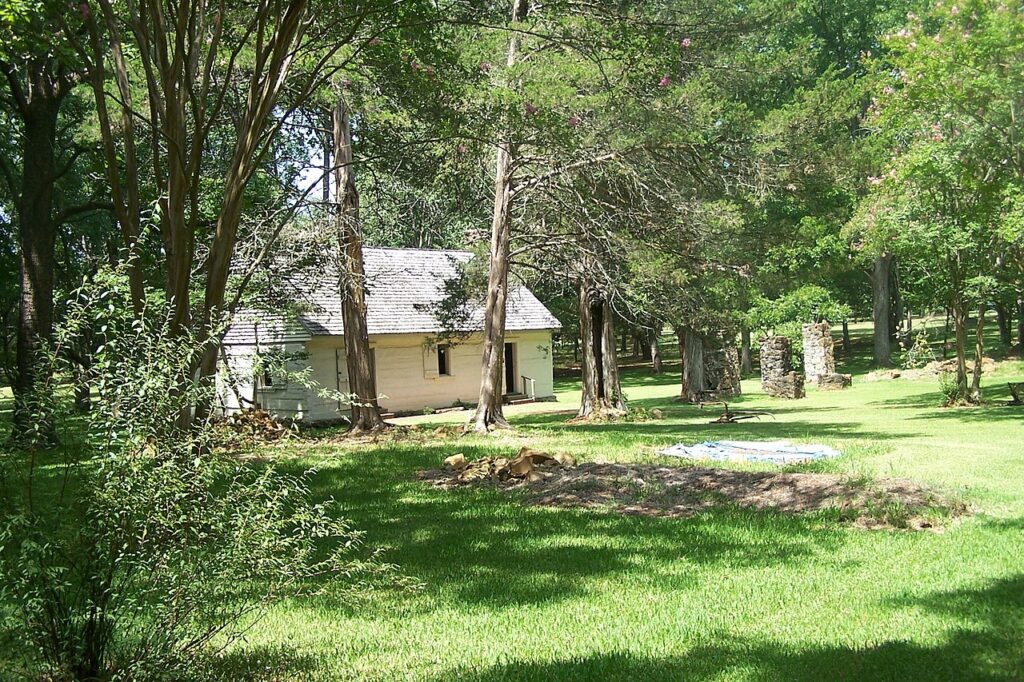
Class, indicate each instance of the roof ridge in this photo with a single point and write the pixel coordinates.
(414, 248)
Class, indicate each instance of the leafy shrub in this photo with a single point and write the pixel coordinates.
(138, 546)
(948, 387)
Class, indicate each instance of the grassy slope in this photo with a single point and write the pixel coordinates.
(527, 593)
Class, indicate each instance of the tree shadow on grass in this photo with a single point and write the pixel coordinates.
(478, 545)
(993, 409)
(991, 648)
(764, 428)
(263, 664)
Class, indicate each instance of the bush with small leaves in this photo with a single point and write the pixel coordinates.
(137, 546)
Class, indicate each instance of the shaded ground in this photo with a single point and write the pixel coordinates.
(674, 491)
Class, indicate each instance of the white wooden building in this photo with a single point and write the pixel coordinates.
(415, 367)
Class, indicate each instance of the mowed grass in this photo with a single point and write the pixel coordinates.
(511, 592)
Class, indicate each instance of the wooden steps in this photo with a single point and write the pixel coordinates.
(517, 399)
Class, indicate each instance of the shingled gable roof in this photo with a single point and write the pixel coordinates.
(402, 286)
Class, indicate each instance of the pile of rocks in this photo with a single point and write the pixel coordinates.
(819, 351)
(722, 371)
(834, 382)
(527, 465)
(777, 376)
(254, 426)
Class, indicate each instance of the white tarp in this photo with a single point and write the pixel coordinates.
(775, 451)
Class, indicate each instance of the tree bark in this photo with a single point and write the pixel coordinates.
(352, 280)
(1020, 320)
(846, 338)
(896, 301)
(654, 350)
(37, 234)
(945, 334)
(979, 353)
(746, 356)
(1003, 320)
(881, 311)
(691, 350)
(489, 413)
(959, 313)
(602, 392)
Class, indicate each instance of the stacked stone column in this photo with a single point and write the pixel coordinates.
(777, 376)
(820, 359)
(722, 371)
(819, 353)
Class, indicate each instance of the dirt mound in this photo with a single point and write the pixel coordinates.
(932, 369)
(668, 491)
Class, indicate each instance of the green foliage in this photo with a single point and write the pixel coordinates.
(156, 547)
(809, 303)
(949, 387)
(920, 353)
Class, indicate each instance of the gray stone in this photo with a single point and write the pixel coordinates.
(777, 376)
(819, 350)
(722, 371)
(834, 382)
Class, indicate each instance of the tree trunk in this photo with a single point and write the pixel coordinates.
(1020, 320)
(489, 412)
(881, 312)
(352, 280)
(654, 350)
(979, 353)
(602, 392)
(959, 313)
(846, 338)
(896, 301)
(746, 356)
(691, 350)
(945, 335)
(1003, 320)
(37, 234)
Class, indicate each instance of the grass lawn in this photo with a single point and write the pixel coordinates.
(511, 592)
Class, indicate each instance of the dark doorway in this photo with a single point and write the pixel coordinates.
(510, 368)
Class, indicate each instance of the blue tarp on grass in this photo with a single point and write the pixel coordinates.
(773, 452)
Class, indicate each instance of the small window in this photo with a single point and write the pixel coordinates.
(444, 360)
(269, 370)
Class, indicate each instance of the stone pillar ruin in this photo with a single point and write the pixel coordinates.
(777, 376)
(722, 371)
(819, 351)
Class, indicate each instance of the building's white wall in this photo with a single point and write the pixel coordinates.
(533, 356)
(407, 379)
(289, 396)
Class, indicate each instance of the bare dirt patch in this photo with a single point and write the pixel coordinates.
(679, 492)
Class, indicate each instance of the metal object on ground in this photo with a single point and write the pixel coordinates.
(730, 417)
